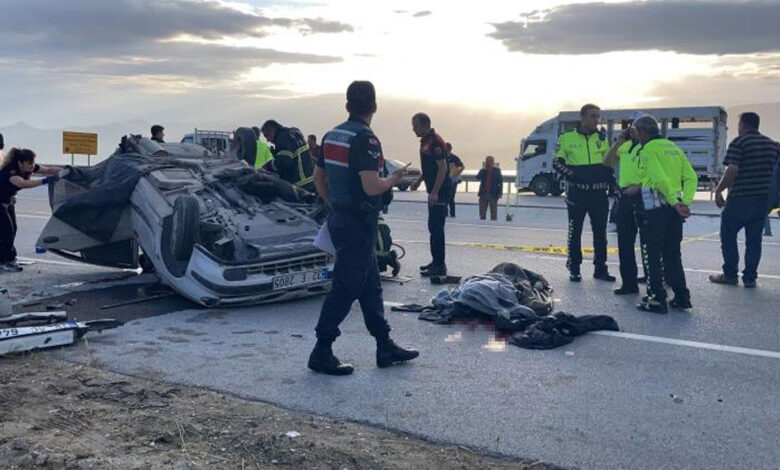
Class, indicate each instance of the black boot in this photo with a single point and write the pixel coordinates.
(681, 302)
(434, 270)
(602, 273)
(323, 361)
(654, 306)
(388, 353)
(392, 261)
(624, 290)
(574, 274)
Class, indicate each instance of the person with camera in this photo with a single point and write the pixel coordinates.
(17, 168)
(667, 186)
(348, 179)
(625, 150)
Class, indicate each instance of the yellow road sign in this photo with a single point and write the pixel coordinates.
(81, 143)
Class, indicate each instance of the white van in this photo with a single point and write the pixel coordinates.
(700, 131)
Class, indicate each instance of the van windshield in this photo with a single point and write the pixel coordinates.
(534, 148)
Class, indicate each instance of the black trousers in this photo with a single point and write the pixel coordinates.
(437, 216)
(595, 205)
(355, 277)
(662, 232)
(627, 229)
(7, 233)
(452, 202)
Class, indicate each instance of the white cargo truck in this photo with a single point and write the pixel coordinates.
(699, 131)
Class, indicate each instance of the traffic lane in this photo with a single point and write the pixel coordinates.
(726, 315)
(598, 403)
(700, 247)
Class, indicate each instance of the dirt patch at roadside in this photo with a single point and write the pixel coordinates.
(54, 414)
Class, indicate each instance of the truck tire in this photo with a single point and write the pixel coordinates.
(402, 186)
(185, 227)
(245, 145)
(542, 185)
(556, 190)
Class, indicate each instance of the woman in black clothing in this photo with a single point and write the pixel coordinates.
(15, 174)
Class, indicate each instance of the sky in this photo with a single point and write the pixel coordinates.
(486, 72)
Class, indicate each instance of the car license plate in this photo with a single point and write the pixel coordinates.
(300, 279)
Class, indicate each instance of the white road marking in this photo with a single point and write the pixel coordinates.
(672, 341)
(46, 261)
(690, 344)
(28, 216)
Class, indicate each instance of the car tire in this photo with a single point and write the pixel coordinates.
(403, 187)
(185, 229)
(245, 145)
(542, 185)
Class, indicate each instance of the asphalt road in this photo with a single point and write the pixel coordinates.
(683, 390)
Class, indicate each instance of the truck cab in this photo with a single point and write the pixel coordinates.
(216, 141)
(701, 132)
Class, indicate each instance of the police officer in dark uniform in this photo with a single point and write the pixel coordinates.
(433, 163)
(347, 177)
(292, 159)
(578, 158)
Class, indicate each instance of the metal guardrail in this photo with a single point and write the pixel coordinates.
(470, 176)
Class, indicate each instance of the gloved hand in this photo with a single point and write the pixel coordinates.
(50, 179)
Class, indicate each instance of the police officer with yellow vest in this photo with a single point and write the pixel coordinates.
(668, 184)
(579, 158)
(348, 179)
(626, 151)
(292, 159)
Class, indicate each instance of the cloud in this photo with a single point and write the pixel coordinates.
(420, 14)
(685, 26)
(145, 37)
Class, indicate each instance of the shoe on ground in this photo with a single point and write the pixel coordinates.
(723, 279)
(749, 284)
(681, 303)
(12, 267)
(653, 306)
(323, 361)
(388, 353)
(426, 267)
(603, 275)
(626, 290)
(392, 261)
(641, 280)
(434, 271)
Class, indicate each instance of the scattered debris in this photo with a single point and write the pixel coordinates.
(292, 434)
(570, 353)
(138, 301)
(29, 338)
(34, 317)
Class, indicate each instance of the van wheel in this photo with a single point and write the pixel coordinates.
(556, 190)
(244, 145)
(185, 229)
(541, 185)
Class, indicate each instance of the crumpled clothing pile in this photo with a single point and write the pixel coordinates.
(519, 302)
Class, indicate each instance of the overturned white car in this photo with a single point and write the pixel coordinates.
(216, 231)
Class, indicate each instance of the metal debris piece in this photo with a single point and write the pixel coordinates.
(35, 317)
(29, 338)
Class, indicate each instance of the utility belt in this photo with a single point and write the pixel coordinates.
(364, 211)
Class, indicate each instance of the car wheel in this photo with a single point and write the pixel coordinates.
(245, 145)
(541, 185)
(402, 186)
(185, 229)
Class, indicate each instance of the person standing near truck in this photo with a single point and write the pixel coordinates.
(750, 161)
(292, 158)
(668, 184)
(626, 151)
(348, 179)
(579, 158)
(491, 186)
(433, 162)
(158, 133)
